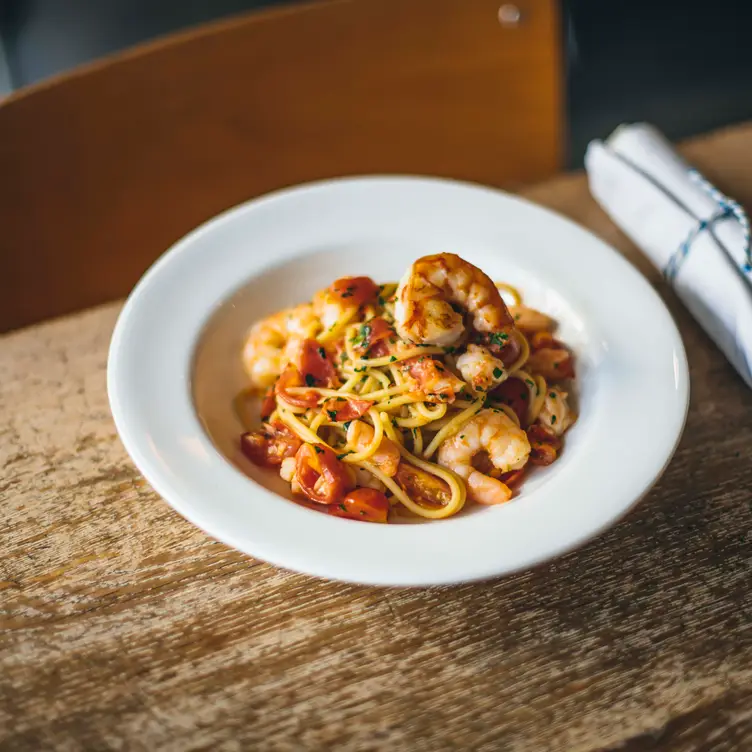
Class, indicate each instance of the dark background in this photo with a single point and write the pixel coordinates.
(685, 66)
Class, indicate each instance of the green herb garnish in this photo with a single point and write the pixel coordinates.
(497, 372)
(309, 380)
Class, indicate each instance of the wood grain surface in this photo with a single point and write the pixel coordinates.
(125, 628)
(103, 169)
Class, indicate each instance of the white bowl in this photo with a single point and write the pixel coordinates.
(174, 368)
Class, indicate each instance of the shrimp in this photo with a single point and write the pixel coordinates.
(343, 297)
(273, 342)
(433, 379)
(556, 414)
(429, 291)
(481, 369)
(490, 439)
(530, 321)
(386, 457)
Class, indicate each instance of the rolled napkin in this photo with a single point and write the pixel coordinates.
(695, 235)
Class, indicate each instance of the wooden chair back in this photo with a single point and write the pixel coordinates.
(101, 170)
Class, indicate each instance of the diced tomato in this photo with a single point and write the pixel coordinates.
(512, 479)
(501, 344)
(271, 445)
(342, 409)
(380, 349)
(514, 393)
(365, 504)
(544, 445)
(433, 379)
(268, 403)
(291, 377)
(322, 477)
(374, 334)
(355, 291)
(315, 365)
(422, 487)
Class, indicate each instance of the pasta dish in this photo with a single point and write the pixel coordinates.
(410, 398)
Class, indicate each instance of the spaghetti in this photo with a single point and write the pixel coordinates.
(368, 420)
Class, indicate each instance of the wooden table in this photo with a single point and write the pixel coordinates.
(126, 628)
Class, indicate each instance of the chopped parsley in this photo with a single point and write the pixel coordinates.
(361, 338)
(346, 425)
(552, 395)
(322, 353)
(342, 507)
(462, 435)
(553, 419)
(343, 358)
(344, 454)
(499, 338)
(360, 370)
(444, 395)
(529, 383)
(332, 414)
(392, 359)
(309, 380)
(318, 449)
(497, 372)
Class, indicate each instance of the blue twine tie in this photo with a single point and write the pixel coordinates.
(727, 207)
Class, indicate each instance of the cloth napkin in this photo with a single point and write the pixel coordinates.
(695, 235)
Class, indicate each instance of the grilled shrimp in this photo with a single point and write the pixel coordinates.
(386, 457)
(433, 379)
(556, 414)
(342, 297)
(489, 438)
(530, 321)
(429, 291)
(481, 369)
(273, 342)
